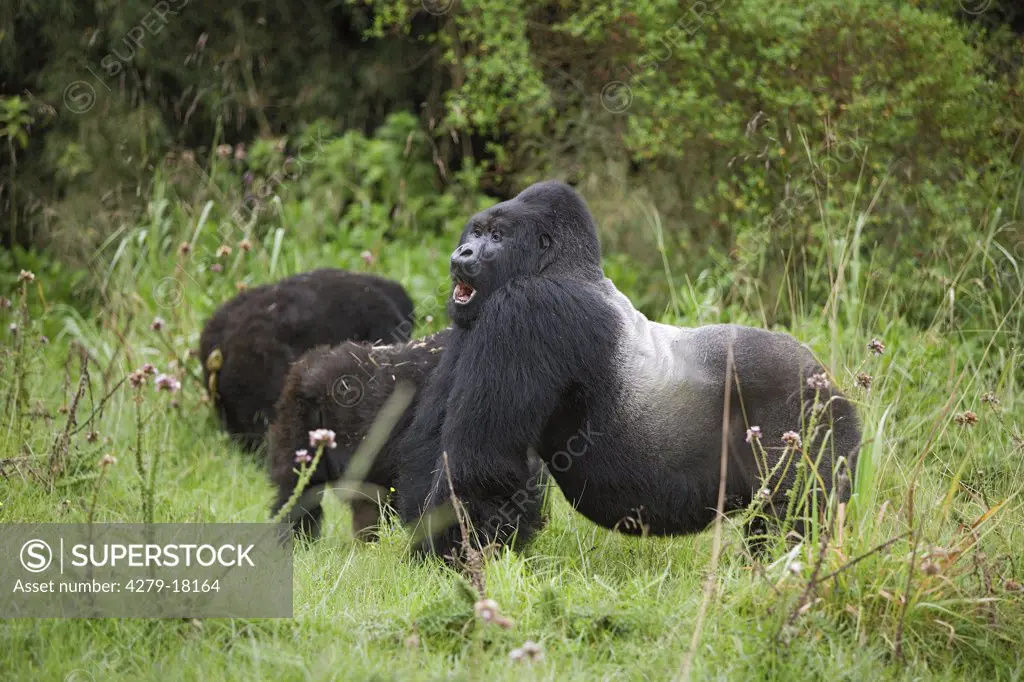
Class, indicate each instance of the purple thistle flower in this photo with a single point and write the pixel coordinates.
(753, 433)
(792, 439)
(5, 303)
(876, 346)
(148, 368)
(818, 382)
(529, 652)
(165, 382)
(486, 609)
(303, 457)
(26, 276)
(137, 378)
(368, 257)
(322, 437)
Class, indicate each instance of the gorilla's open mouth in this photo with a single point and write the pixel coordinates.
(463, 293)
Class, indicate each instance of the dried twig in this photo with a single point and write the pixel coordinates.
(474, 562)
(58, 455)
(99, 408)
(716, 547)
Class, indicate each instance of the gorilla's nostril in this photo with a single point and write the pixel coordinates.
(463, 252)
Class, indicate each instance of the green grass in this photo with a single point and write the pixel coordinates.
(937, 602)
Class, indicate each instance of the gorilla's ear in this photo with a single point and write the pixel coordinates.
(548, 254)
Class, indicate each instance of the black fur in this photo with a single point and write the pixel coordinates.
(343, 389)
(627, 414)
(261, 331)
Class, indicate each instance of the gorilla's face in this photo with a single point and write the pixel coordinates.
(497, 245)
(545, 230)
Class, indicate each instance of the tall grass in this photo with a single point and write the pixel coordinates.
(921, 579)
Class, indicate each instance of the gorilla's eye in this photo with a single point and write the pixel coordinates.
(545, 241)
(496, 236)
(477, 232)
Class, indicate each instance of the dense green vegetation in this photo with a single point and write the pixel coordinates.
(844, 171)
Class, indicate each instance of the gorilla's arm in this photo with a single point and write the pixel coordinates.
(422, 442)
(536, 339)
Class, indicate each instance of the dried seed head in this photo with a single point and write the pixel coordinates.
(864, 380)
(157, 324)
(967, 418)
(137, 378)
(26, 276)
(990, 399)
(107, 460)
(876, 346)
(245, 245)
(184, 248)
(223, 150)
(224, 250)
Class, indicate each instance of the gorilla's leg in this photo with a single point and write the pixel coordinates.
(365, 519)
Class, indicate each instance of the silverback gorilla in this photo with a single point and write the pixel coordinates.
(248, 345)
(547, 355)
(343, 388)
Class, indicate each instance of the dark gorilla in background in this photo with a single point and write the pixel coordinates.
(249, 343)
(546, 354)
(343, 388)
